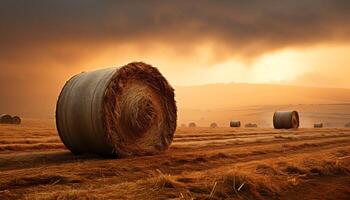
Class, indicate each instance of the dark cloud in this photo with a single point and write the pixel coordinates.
(244, 27)
(38, 39)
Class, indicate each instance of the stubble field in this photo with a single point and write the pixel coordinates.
(202, 163)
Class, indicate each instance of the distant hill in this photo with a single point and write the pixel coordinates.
(256, 103)
(223, 96)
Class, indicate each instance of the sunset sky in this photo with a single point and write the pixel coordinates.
(43, 43)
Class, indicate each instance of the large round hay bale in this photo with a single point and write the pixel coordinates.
(235, 123)
(192, 124)
(251, 125)
(286, 120)
(5, 119)
(213, 125)
(318, 125)
(117, 111)
(16, 120)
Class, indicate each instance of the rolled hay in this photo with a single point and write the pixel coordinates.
(286, 119)
(117, 111)
(318, 125)
(16, 120)
(347, 125)
(6, 119)
(192, 124)
(251, 125)
(235, 123)
(213, 125)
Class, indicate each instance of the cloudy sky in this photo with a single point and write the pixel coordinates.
(43, 43)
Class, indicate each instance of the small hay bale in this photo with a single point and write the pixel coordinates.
(318, 125)
(235, 123)
(213, 125)
(183, 125)
(192, 124)
(251, 125)
(117, 111)
(286, 119)
(6, 119)
(16, 120)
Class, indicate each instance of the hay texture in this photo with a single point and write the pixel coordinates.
(126, 111)
(286, 120)
(235, 123)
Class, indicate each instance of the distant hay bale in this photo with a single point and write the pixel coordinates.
(235, 123)
(6, 119)
(213, 125)
(318, 125)
(117, 111)
(286, 119)
(16, 120)
(347, 125)
(192, 124)
(251, 125)
(183, 125)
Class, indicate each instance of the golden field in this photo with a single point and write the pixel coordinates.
(202, 163)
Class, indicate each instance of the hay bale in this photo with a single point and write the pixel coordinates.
(213, 125)
(347, 125)
(183, 125)
(117, 111)
(6, 119)
(192, 124)
(286, 119)
(16, 120)
(318, 125)
(251, 125)
(235, 123)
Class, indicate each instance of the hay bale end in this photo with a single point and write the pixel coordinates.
(286, 120)
(192, 124)
(213, 125)
(117, 111)
(318, 125)
(235, 123)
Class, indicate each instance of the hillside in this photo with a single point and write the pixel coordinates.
(223, 96)
(256, 103)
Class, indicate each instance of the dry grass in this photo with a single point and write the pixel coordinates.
(245, 164)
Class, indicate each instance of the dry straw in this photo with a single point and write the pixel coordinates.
(125, 111)
(318, 125)
(213, 125)
(192, 124)
(286, 120)
(8, 119)
(235, 123)
(251, 125)
(5, 119)
(16, 120)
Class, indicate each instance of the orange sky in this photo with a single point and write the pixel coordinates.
(43, 43)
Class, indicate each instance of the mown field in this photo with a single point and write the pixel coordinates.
(202, 163)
